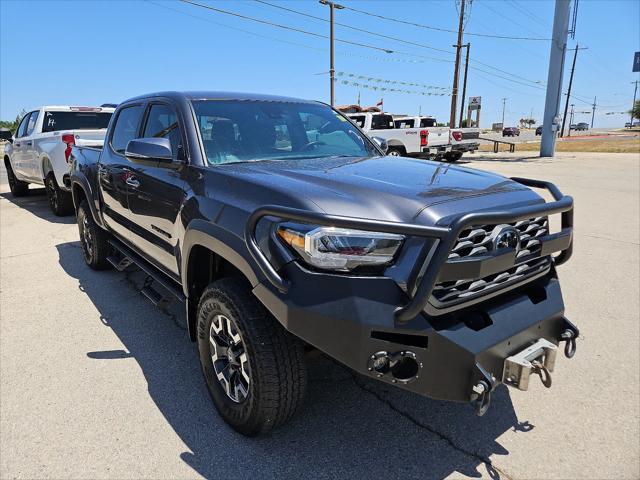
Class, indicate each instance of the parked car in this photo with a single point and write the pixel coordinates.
(510, 132)
(280, 225)
(573, 126)
(419, 142)
(40, 149)
(539, 130)
(581, 126)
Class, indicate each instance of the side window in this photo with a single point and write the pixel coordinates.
(126, 127)
(162, 122)
(23, 126)
(31, 124)
(359, 120)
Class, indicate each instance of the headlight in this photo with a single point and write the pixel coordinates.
(340, 249)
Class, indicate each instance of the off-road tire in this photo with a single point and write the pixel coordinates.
(60, 202)
(275, 357)
(18, 188)
(93, 239)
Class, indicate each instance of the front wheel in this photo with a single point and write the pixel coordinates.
(254, 369)
(18, 188)
(60, 201)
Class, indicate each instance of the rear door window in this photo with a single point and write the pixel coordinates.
(381, 122)
(126, 127)
(407, 123)
(31, 124)
(427, 122)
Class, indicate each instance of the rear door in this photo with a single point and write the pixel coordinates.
(156, 190)
(114, 170)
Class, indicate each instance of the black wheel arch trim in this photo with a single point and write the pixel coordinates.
(79, 179)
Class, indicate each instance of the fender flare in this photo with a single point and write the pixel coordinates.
(78, 178)
(221, 242)
(45, 159)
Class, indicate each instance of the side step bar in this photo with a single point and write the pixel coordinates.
(129, 257)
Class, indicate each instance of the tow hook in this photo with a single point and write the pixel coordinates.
(481, 397)
(570, 347)
(481, 391)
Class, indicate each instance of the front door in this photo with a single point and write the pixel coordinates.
(115, 171)
(157, 197)
(18, 150)
(31, 157)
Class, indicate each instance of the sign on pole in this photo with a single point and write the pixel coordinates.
(636, 62)
(474, 103)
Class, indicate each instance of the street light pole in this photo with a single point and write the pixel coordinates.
(593, 111)
(635, 91)
(504, 102)
(332, 70)
(570, 120)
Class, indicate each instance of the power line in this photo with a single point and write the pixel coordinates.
(284, 27)
(497, 12)
(377, 34)
(529, 13)
(317, 35)
(429, 27)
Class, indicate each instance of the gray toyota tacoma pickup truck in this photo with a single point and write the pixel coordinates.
(282, 227)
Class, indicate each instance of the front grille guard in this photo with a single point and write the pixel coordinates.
(445, 237)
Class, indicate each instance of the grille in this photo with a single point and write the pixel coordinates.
(449, 293)
(478, 240)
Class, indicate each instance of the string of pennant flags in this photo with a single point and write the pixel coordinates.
(391, 82)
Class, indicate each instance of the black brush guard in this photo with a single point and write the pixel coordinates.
(438, 268)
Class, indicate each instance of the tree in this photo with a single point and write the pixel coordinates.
(13, 126)
(635, 112)
(471, 124)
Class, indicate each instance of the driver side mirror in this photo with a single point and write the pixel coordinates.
(149, 149)
(381, 143)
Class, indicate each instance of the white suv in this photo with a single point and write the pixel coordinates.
(40, 149)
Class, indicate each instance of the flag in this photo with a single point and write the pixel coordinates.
(380, 103)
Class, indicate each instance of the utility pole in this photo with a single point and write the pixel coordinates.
(464, 85)
(635, 90)
(570, 120)
(593, 111)
(566, 105)
(454, 90)
(504, 102)
(332, 70)
(554, 78)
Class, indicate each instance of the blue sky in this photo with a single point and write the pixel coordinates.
(92, 52)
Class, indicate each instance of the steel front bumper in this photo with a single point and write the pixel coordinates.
(374, 326)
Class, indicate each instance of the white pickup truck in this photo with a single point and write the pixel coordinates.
(462, 139)
(427, 142)
(39, 151)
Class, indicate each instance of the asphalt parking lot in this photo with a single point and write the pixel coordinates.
(98, 383)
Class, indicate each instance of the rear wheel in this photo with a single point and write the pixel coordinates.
(93, 239)
(60, 201)
(395, 152)
(18, 188)
(452, 157)
(253, 367)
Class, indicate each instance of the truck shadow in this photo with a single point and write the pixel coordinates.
(350, 426)
(36, 202)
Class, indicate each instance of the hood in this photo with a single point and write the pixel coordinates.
(383, 188)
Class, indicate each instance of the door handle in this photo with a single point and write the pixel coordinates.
(132, 182)
(17, 144)
(29, 143)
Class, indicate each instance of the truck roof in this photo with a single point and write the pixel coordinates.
(216, 95)
(74, 108)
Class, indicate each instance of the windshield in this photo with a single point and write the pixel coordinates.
(243, 131)
(56, 121)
